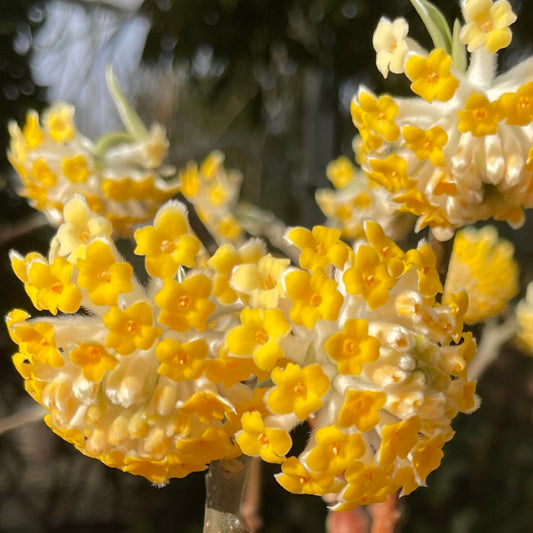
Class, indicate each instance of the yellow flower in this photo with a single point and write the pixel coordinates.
(386, 248)
(483, 265)
(75, 168)
(428, 278)
(341, 172)
(130, 329)
(369, 277)
(59, 122)
(398, 439)
(167, 244)
(256, 439)
(427, 455)
(390, 172)
(320, 247)
(298, 390)
(32, 133)
(230, 370)
(261, 281)
(487, 24)
(431, 78)
(48, 285)
(361, 409)
(102, 276)
(207, 406)
(259, 336)
(426, 144)
(480, 117)
(353, 347)
(185, 305)
(180, 361)
(313, 297)
(334, 451)
(93, 359)
(297, 479)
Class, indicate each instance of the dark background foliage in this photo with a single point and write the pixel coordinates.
(268, 82)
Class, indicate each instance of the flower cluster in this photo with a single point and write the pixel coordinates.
(213, 191)
(224, 355)
(355, 199)
(461, 149)
(483, 265)
(119, 176)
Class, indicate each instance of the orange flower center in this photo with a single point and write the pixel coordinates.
(349, 346)
(315, 300)
(300, 389)
(167, 247)
(320, 248)
(184, 302)
(84, 236)
(268, 283)
(57, 287)
(432, 78)
(105, 276)
(524, 102)
(182, 357)
(263, 439)
(480, 114)
(261, 336)
(131, 326)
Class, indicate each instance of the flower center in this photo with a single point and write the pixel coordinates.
(480, 114)
(131, 326)
(167, 247)
(349, 346)
(84, 236)
(315, 300)
(268, 283)
(432, 78)
(524, 102)
(261, 336)
(263, 439)
(184, 302)
(368, 280)
(105, 276)
(320, 248)
(300, 389)
(182, 357)
(57, 287)
(486, 26)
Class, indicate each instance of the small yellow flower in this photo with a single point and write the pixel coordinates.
(185, 305)
(426, 144)
(341, 172)
(298, 390)
(41, 172)
(397, 440)
(518, 105)
(428, 278)
(32, 133)
(487, 24)
(297, 479)
(181, 361)
(207, 406)
(353, 347)
(361, 409)
(313, 297)
(258, 336)
(320, 247)
(374, 117)
(386, 248)
(369, 277)
(480, 117)
(76, 168)
(261, 281)
(102, 276)
(130, 329)
(335, 451)
(427, 455)
(59, 122)
(94, 360)
(230, 370)
(431, 78)
(167, 244)
(390, 172)
(256, 439)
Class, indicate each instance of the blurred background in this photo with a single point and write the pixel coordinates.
(269, 82)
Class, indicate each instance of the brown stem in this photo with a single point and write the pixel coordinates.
(353, 521)
(251, 503)
(225, 483)
(385, 515)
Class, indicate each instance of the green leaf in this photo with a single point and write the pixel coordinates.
(458, 48)
(435, 23)
(131, 120)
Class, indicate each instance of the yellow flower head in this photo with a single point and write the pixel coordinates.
(480, 117)
(390, 45)
(181, 361)
(341, 172)
(483, 265)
